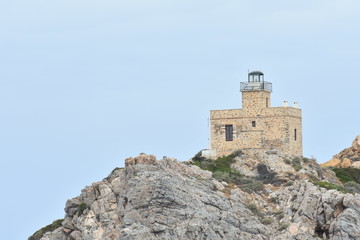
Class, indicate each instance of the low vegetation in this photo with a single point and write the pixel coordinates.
(311, 160)
(287, 161)
(222, 171)
(252, 185)
(266, 221)
(49, 228)
(289, 183)
(81, 208)
(347, 174)
(221, 164)
(279, 215)
(352, 187)
(253, 208)
(305, 160)
(283, 226)
(328, 185)
(350, 177)
(274, 200)
(312, 177)
(116, 169)
(296, 163)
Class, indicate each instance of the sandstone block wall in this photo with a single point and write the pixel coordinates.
(255, 99)
(257, 125)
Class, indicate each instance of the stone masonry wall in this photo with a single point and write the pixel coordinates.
(255, 99)
(274, 130)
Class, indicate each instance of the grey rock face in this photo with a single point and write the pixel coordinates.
(165, 199)
(352, 153)
(328, 214)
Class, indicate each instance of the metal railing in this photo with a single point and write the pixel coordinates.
(255, 86)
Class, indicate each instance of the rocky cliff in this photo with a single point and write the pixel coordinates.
(167, 199)
(347, 158)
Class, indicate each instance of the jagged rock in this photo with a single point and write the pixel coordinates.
(355, 164)
(72, 206)
(165, 199)
(255, 162)
(326, 213)
(347, 157)
(335, 162)
(141, 159)
(356, 143)
(247, 162)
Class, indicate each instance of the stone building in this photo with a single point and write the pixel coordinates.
(257, 125)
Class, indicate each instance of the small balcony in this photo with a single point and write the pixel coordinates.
(255, 86)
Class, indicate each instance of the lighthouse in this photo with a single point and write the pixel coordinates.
(257, 125)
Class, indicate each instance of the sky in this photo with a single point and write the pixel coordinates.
(86, 84)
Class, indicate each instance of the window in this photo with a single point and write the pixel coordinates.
(295, 133)
(253, 123)
(267, 102)
(229, 132)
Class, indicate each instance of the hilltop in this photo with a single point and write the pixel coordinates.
(246, 195)
(347, 158)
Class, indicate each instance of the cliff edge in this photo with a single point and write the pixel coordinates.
(347, 158)
(166, 199)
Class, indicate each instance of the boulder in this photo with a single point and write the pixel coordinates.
(345, 163)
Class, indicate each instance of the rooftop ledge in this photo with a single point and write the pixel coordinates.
(255, 86)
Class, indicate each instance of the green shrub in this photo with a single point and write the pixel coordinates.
(312, 177)
(328, 185)
(253, 186)
(81, 208)
(115, 169)
(297, 167)
(279, 215)
(231, 176)
(237, 153)
(221, 167)
(266, 221)
(289, 183)
(296, 163)
(283, 226)
(221, 164)
(51, 227)
(305, 160)
(253, 208)
(222, 171)
(287, 161)
(274, 199)
(347, 174)
(198, 158)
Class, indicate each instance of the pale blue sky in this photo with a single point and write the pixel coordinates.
(85, 84)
